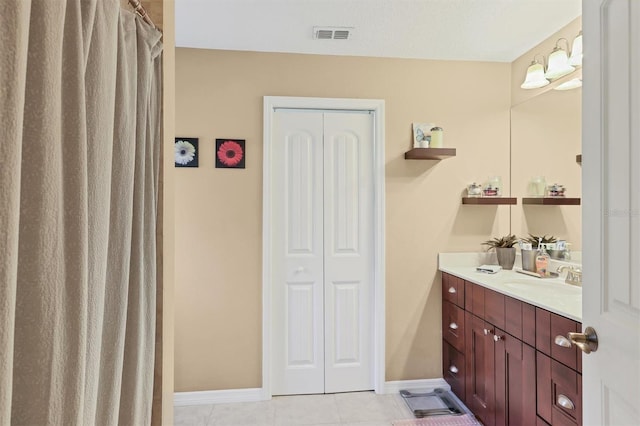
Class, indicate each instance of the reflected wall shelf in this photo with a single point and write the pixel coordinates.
(429, 153)
(490, 201)
(552, 201)
(579, 159)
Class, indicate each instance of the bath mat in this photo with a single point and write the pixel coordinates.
(463, 420)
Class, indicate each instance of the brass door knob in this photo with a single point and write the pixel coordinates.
(587, 341)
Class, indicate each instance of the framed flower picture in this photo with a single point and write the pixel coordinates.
(186, 152)
(230, 153)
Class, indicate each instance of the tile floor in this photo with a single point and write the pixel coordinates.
(345, 409)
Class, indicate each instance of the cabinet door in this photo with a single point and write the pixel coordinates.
(559, 392)
(480, 380)
(515, 372)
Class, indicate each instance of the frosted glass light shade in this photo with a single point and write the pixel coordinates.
(535, 77)
(558, 64)
(574, 83)
(576, 51)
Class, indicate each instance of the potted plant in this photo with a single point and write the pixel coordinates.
(535, 240)
(529, 256)
(505, 250)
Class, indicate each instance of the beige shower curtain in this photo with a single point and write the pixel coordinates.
(80, 101)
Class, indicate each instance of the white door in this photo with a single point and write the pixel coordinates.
(611, 210)
(322, 252)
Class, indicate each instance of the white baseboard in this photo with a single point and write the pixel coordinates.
(218, 396)
(258, 394)
(427, 385)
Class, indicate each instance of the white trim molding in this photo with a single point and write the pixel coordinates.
(258, 394)
(217, 396)
(377, 108)
(426, 385)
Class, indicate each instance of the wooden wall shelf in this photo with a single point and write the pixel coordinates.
(552, 201)
(490, 201)
(429, 153)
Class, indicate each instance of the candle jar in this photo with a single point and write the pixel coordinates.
(436, 137)
(555, 190)
(537, 186)
(474, 190)
(493, 187)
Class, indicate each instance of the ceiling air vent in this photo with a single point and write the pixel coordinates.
(332, 33)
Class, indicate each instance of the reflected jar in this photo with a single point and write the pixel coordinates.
(537, 186)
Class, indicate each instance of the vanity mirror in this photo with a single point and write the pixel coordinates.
(545, 139)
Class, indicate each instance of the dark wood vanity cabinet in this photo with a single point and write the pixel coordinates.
(559, 378)
(500, 358)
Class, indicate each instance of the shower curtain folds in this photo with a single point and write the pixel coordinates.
(79, 164)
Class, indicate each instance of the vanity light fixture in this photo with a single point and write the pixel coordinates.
(535, 75)
(576, 51)
(574, 83)
(558, 62)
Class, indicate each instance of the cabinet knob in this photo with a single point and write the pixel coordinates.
(453, 369)
(497, 338)
(562, 341)
(487, 331)
(453, 326)
(565, 402)
(452, 290)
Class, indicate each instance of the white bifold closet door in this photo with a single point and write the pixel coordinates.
(322, 252)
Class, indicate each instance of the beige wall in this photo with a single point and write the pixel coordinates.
(218, 213)
(545, 139)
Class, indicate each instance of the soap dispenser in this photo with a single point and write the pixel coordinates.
(542, 261)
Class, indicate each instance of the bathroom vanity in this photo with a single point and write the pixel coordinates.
(505, 352)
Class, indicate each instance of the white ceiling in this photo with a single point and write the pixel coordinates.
(475, 30)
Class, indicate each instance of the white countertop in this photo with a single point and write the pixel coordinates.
(551, 294)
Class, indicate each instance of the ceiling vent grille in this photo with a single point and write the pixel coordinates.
(332, 33)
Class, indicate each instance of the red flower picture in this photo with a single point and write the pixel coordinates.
(230, 153)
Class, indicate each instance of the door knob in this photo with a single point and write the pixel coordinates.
(587, 341)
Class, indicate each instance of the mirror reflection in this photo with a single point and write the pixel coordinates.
(545, 140)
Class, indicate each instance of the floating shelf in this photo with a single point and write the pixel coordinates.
(552, 201)
(488, 201)
(579, 159)
(429, 153)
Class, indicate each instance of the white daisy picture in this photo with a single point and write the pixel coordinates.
(186, 152)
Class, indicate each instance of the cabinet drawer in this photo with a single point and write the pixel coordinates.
(474, 299)
(453, 325)
(567, 395)
(550, 326)
(559, 390)
(453, 289)
(494, 308)
(520, 320)
(453, 369)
